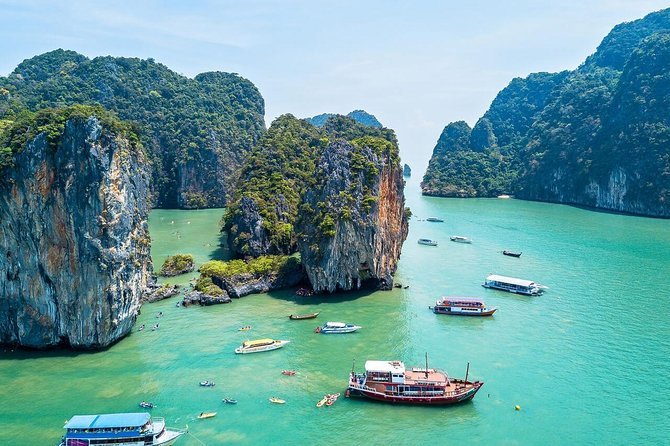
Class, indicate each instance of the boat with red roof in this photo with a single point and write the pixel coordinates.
(390, 382)
(462, 306)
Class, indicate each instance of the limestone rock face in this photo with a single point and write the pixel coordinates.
(241, 285)
(74, 244)
(355, 231)
(249, 221)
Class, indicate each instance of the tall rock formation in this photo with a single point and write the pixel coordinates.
(197, 132)
(74, 243)
(597, 136)
(354, 220)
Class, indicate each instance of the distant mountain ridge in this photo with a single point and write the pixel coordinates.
(597, 136)
(197, 131)
(360, 116)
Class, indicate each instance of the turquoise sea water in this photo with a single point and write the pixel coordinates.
(587, 362)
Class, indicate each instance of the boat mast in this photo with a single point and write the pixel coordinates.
(353, 364)
(466, 373)
(426, 372)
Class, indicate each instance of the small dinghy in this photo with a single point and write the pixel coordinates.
(204, 415)
(276, 400)
(229, 401)
(147, 405)
(512, 254)
(207, 384)
(299, 317)
(288, 372)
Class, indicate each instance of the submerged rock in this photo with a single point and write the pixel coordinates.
(74, 244)
(354, 220)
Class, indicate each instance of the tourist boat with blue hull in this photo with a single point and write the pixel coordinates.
(462, 306)
(119, 429)
(337, 328)
(390, 382)
(514, 285)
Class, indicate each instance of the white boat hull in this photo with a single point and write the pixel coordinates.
(264, 348)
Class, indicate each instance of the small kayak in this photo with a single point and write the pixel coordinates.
(204, 415)
(276, 400)
(322, 402)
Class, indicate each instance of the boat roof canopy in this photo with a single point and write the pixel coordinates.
(385, 366)
(461, 299)
(336, 324)
(108, 420)
(511, 280)
(258, 342)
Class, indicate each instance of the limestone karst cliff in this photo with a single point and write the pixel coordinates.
(353, 221)
(74, 244)
(597, 136)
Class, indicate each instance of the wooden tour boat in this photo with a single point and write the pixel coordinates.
(462, 306)
(390, 382)
(299, 317)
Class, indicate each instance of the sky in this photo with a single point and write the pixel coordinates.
(416, 65)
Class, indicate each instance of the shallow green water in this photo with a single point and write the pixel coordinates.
(587, 362)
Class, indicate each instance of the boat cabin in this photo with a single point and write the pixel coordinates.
(513, 285)
(258, 343)
(462, 302)
(122, 428)
(385, 371)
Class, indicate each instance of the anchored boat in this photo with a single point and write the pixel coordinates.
(462, 306)
(119, 429)
(460, 239)
(390, 382)
(260, 345)
(434, 220)
(337, 328)
(514, 285)
(427, 241)
(299, 317)
(512, 254)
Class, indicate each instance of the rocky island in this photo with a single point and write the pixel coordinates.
(597, 136)
(334, 193)
(74, 244)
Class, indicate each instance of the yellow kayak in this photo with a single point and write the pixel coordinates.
(277, 400)
(322, 402)
(204, 415)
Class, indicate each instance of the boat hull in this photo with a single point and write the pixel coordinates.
(531, 292)
(487, 312)
(444, 400)
(300, 317)
(264, 348)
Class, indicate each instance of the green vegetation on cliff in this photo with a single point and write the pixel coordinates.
(258, 266)
(196, 131)
(262, 214)
(177, 264)
(26, 125)
(360, 116)
(597, 136)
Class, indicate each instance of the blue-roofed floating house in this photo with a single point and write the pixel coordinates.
(119, 429)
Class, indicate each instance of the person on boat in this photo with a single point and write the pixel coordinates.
(141, 327)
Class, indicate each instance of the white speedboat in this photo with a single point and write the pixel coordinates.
(460, 239)
(337, 328)
(119, 428)
(260, 345)
(427, 241)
